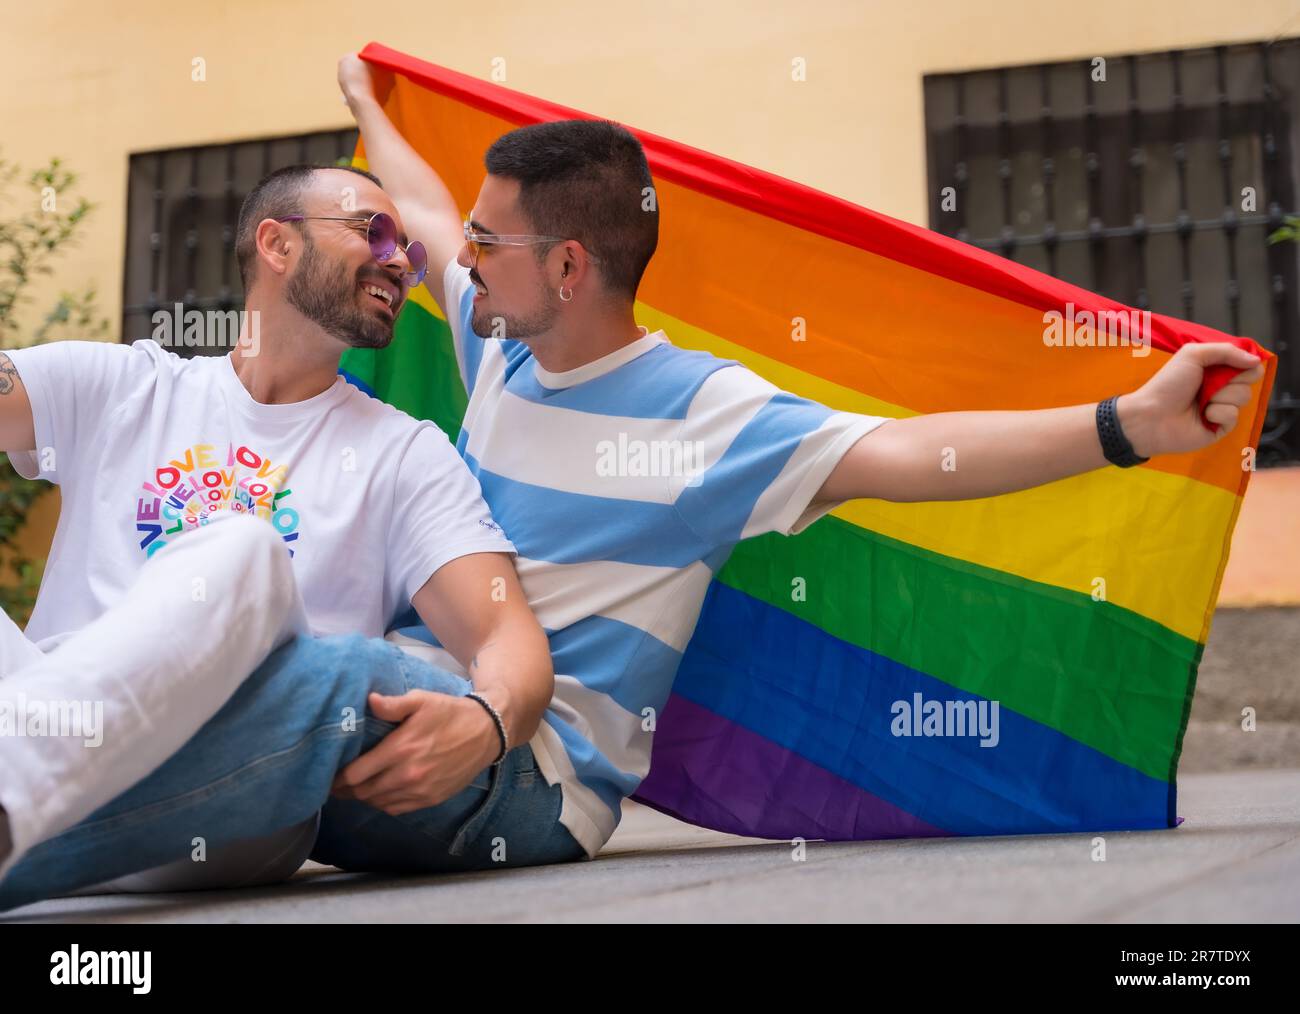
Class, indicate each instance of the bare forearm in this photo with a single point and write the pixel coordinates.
(965, 455)
(968, 455)
(476, 609)
(408, 179)
(512, 670)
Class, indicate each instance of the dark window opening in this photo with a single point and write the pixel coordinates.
(1157, 186)
(182, 208)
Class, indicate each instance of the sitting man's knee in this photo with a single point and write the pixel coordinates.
(257, 537)
(338, 668)
(260, 553)
(326, 674)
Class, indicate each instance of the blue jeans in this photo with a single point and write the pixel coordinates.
(266, 761)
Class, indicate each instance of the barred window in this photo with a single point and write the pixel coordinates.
(1154, 179)
(182, 208)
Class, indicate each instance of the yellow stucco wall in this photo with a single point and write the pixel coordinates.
(92, 82)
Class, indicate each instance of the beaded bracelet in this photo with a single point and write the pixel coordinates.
(501, 726)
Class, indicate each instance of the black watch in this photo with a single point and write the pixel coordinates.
(1114, 444)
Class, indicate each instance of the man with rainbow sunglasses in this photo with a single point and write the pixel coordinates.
(236, 533)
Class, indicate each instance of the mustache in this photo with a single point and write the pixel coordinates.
(473, 277)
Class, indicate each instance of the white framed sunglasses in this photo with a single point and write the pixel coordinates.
(476, 240)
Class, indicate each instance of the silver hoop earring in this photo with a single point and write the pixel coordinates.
(563, 297)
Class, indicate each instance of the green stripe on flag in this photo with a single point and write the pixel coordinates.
(417, 372)
(1099, 673)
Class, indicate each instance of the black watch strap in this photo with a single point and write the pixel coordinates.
(1114, 444)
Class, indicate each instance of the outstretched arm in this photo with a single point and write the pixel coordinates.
(428, 210)
(967, 455)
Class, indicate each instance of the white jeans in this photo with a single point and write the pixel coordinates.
(201, 615)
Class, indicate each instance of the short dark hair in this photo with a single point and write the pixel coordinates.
(275, 196)
(586, 180)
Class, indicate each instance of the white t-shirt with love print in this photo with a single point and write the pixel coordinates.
(146, 446)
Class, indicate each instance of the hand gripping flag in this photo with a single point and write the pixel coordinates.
(1061, 625)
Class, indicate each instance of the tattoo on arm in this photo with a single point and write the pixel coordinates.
(8, 374)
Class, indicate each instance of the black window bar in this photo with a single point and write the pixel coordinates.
(182, 208)
(1128, 175)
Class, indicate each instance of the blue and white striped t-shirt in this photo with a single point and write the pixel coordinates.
(624, 485)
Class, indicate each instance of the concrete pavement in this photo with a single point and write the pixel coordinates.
(1235, 859)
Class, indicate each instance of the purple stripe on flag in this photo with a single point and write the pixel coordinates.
(814, 803)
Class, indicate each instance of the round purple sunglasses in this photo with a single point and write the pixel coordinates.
(381, 234)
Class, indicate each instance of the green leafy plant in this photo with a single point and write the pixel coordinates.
(40, 218)
(1289, 230)
(17, 495)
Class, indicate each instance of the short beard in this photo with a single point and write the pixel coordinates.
(509, 327)
(326, 296)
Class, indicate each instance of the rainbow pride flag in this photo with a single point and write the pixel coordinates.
(1080, 608)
